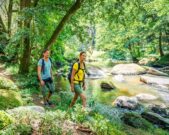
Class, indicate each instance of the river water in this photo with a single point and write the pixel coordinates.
(131, 86)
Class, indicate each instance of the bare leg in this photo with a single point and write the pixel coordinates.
(83, 98)
(74, 100)
(48, 97)
(44, 100)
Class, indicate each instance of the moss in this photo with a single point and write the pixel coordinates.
(135, 120)
(5, 119)
(9, 99)
(7, 84)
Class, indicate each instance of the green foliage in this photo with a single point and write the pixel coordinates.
(102, 126)
(63, 99)
(23, 129)
(163, 61)
(117, 54)
(31, 81)
(9, 99)
(5, 119)
(79, 115)
(51, 123)
(11, 68)
(7, 84)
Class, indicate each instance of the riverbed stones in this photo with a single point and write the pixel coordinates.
(126, 102)
(107, 86)
(119, 78)
(128, 69)
(136, 121)
(154, 71)
(95, 72)
(145, 97)
(162, 110)
(152, 79)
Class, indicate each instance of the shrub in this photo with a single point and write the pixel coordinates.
(5, 119)
(7, 84)
(9, 99)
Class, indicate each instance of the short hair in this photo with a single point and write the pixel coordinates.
(82, 52)
(45, 50)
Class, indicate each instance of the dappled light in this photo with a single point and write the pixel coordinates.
(84, 67)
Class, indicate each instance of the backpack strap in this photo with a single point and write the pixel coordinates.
(43, 65)
(77, 69)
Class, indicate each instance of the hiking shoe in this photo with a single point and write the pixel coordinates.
(49, 102)
(46, 104)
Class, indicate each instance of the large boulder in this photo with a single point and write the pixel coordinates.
(145, 97)
(156, 119)
(128, 69)
(9, 99)
(126, 102)
(152, 79)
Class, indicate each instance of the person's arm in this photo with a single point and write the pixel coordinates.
(39, 75)
(72, 79)
(84, 85)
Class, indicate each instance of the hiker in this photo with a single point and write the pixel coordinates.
(45, 77)
(77, 80)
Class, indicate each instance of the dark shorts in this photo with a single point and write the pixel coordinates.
(47, 87)
(78, 88)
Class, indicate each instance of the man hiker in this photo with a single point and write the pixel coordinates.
(77, 80)
(45, 77)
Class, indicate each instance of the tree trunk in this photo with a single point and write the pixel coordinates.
(25, 59)
(10, 16)
(160, 44)
(2, 26)
(62, 23)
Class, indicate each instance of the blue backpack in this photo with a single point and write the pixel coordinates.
(71, 68)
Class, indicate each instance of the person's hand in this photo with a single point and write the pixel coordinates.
(42, 83)
(84, 87)
(52, 77)
(72, 87)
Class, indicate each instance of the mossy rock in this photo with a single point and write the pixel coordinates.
(7, 84)
(9, 99)
(136, 121)
(5, 119)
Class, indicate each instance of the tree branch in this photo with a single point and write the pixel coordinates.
(62, 23)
